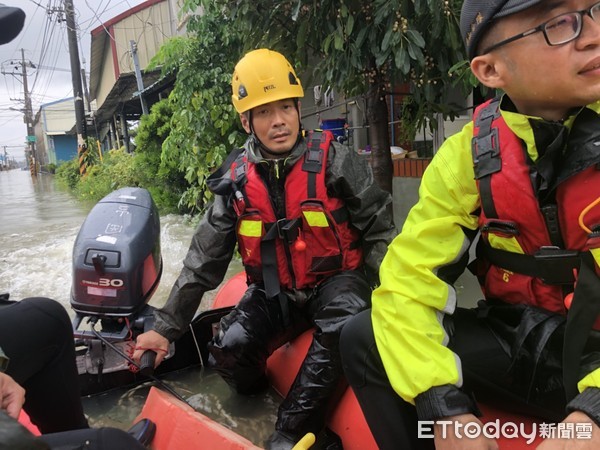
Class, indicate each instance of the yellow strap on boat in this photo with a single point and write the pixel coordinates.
(306, 442)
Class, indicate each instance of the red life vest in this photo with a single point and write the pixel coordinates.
(510, 211)
(313, 241)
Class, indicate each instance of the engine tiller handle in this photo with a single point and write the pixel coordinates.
(147, 363)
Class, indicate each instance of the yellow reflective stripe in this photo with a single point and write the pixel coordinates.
(510, 244)
(315, 218)
(596, 254)
(250, 228)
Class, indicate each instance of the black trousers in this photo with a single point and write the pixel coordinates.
(37, 335)
(489, 371)
(253, 330)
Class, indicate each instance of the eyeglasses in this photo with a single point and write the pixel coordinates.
(559, 30)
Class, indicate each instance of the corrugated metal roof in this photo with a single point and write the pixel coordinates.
(101, 37)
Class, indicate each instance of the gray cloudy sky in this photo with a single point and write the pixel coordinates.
(44, 39)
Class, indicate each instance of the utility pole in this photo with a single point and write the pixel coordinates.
(20, 70)
(77, 90)
(138, 75)
(29, 116)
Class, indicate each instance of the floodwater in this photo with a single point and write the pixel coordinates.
(38, 226)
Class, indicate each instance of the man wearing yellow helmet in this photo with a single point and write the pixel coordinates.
(312, 228)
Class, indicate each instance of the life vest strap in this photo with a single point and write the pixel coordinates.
(550, 213)
(316, 145)
(220, 181)
(485, 147)
(270, 273)
(551, 264)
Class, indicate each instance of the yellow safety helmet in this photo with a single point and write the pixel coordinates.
(263, 76)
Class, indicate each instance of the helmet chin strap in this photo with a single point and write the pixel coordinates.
(263, 147)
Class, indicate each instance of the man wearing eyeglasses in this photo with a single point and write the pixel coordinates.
(521, 182)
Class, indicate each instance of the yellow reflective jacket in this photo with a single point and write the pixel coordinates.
(412, 300)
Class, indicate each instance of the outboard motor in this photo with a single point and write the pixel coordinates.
(116, 258)
(117, 266)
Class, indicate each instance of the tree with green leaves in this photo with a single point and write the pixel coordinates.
(360, 48)
(204, 125)
(164, 180)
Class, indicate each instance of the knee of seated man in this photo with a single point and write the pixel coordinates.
(53, 320)
(52, 308)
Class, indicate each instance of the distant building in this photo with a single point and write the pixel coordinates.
(55, 141)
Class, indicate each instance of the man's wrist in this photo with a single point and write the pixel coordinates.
(587, 402)
(445, 401)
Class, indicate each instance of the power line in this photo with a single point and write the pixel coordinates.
(36, 3)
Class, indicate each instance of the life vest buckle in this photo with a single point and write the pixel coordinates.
(486, 153)
(487, 145)
(288, 229)
(557, 264)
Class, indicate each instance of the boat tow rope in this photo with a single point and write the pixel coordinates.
(160, 382)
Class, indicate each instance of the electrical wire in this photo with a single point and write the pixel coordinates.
(49, 47)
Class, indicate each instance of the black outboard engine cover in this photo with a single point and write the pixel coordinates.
(116, 257)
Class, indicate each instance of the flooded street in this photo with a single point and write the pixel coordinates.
(38, 226)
